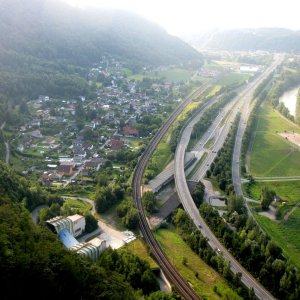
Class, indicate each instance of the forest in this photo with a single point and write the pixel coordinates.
(34, 264)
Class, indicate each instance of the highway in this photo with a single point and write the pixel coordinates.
(245, 112)
(182, 187)
(180, 285)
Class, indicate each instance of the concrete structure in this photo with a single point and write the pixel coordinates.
(74, 224)
(167, 175)
(91, 249)
(78, 222)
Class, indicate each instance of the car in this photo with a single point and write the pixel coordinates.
(218, 250)
(199, 226)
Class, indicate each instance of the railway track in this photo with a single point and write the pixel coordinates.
(179, 284)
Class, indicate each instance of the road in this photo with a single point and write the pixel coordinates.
(185, 196)
(180, 285)
(7, 152)
(245, 112)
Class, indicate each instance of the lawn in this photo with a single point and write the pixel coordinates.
(139, 248)
(233, 78)
(83, 207)
(286, 190)
(272, 155)
(176, 249)
(163, 155)
(173, 75)
(285, 234)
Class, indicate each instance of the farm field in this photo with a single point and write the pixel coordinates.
(285, 234)
(271, 154)
(176, 249)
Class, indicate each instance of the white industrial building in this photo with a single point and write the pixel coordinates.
(92, 248)
(67, 228)
(75, 224)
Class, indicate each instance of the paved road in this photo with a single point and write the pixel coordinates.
(188, 203)
(7, 152)
(245, 112)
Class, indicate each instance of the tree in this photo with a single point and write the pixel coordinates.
(267, 197)
(236, 203)
(91, 223)
(149, 202)
(198, 193)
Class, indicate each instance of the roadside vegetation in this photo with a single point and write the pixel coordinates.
(205, 280)
(254, 249)
(221, 168)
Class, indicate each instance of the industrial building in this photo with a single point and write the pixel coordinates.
(67, 228)
(75, 224)
(91, 249)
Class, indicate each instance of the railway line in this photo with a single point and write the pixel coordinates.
(180, 285)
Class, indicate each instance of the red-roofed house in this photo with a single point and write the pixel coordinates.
(128, 131)
(116, 144)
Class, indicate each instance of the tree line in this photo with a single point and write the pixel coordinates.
(221, 168)
(253, 248)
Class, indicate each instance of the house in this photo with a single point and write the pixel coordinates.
(94, 163)
(128, 131)
(67, 170)
(35, 122)
(21, 148)
(49, 140)
(43, 98)
(36, 134)
(116, 145)
(277, 199)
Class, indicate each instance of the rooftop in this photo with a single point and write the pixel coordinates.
(74, 218)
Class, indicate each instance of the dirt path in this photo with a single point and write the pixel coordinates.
(287, 215)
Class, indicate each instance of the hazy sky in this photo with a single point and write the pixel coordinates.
(187, 16)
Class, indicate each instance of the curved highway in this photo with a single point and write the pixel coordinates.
(185, 196)
(180, 285)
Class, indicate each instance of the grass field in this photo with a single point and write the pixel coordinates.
(139, 248)
(272, 155)
(176, 249)
(163, 154)
(286, 190)
(233, 78)
(83, 207)
(171, 75)
(285, 234)
(175, 75)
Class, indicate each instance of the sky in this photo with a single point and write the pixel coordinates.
(180, 17)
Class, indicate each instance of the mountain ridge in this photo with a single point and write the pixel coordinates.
(268, 39)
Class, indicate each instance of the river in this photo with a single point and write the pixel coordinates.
(289, 99)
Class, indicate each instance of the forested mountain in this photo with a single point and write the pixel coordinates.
(35, 265)
(42, 41)
(270, 39)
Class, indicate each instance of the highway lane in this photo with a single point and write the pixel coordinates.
(188, 203)
(182, 287)
(245, 112)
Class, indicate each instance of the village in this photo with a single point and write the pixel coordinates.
(66, 140)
